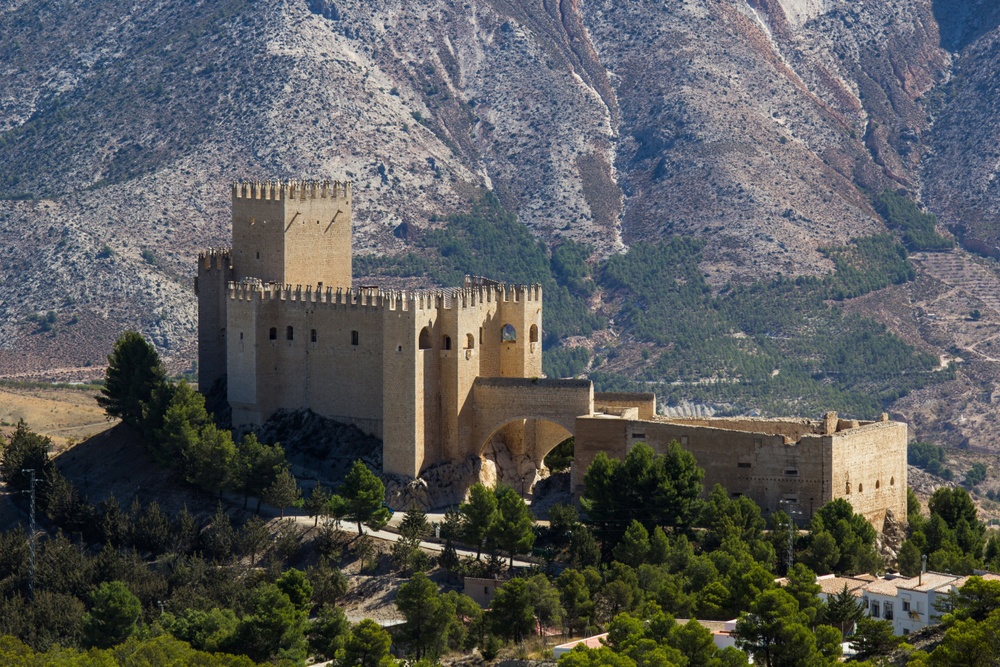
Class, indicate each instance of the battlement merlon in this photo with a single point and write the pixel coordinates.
(468, 297)
(215, 258)
(291, 190)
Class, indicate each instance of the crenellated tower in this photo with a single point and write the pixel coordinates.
(293, 232)
(215, 272)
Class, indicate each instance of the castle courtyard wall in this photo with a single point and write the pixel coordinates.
(762, 460)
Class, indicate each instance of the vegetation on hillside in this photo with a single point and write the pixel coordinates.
(650, 548)
(777, 346)
(489, 241)
(917, 227)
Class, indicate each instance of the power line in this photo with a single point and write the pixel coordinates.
(31, 532)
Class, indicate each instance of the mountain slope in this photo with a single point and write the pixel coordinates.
(762, 126)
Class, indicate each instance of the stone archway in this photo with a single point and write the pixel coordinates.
(514, 453)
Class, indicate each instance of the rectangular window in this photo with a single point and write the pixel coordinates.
(792, 472)
(354, 338)
(312, 335)
(875, 611)
(888, 611)
(742, 465)
(638, 435)
(906, 605)
(906, 631)
(684, 440)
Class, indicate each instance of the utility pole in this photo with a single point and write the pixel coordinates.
(31, 532)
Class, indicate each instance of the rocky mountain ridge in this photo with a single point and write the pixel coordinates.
(762, 125)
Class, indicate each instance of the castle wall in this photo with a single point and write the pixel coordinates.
(331, 364)
(644, 402)
(872, 460)
(773, 469)
(419, 400)
(241, 361)
(404, 392)
(214, 273)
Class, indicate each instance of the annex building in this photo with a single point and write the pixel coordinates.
(438, 374)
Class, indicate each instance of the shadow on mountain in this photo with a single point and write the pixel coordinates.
(962, 22)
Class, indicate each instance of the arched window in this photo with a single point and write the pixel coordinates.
(312, 336)
(861, 488)
(446, 342)
(892, 481)
(878, 483)
(425, 339)
(509, 333)
(290, 333)
(848, 488)
(273, 334)
(470, 341)
(533, 333)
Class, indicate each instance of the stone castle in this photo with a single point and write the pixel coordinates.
(437, 375)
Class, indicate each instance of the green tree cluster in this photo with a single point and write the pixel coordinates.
(929, 457)
(181, 433)
(776, 632)
(841, 541)
(161, 650)
(917, 227)
(653, 490)
(496, 519)
(435, 622)
(953, 538)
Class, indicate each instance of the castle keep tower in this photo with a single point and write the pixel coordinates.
(279, 318)
(293, 233)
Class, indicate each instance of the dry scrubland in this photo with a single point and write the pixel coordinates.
(68, 416)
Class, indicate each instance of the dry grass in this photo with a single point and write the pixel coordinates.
(65, 415)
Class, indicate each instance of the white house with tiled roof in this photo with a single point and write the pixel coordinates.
(910, 604)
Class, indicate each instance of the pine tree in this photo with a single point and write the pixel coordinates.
(113, 616)
(478, 516)
(283, 492)
(842, 611)
(513, 530)
(365, 496)
(134, 370)
(317, 503)
(406, 550)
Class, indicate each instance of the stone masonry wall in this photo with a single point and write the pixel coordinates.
(775, 470)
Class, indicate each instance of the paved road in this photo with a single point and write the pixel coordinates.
(388, 536)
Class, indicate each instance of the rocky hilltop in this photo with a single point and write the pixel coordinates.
(763, 125)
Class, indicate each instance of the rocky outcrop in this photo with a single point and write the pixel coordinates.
(891, 538)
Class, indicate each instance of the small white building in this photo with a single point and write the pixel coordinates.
(910, 604)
